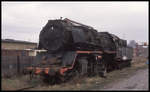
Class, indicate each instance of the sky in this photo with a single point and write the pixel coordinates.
(25, 20)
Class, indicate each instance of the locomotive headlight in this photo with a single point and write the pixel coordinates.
(124, 57)
(52, 28)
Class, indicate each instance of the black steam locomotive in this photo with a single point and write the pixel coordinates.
(68, 48)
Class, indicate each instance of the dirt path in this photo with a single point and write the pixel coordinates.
(138, 81)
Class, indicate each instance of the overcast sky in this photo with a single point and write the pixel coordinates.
(24, 20)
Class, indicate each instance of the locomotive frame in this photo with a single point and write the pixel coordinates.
(81, 66)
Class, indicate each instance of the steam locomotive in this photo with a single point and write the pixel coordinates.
(67, 49)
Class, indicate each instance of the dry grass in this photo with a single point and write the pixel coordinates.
(13, 83)
(92, 83)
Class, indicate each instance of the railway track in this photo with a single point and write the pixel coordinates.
(26, 88)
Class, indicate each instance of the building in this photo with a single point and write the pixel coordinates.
(141, 50)
(15, 56)
(11, 44)
(12, 47)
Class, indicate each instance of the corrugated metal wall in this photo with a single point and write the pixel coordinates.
(8, 66)
(14, 61)
(14, 65)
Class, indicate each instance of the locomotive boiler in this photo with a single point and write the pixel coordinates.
(68, 48)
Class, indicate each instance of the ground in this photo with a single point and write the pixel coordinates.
(130, 78)
(138, 81)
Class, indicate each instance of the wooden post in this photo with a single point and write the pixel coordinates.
(18, 64)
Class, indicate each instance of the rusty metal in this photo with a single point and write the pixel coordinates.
(68, 20)
(89, 52)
